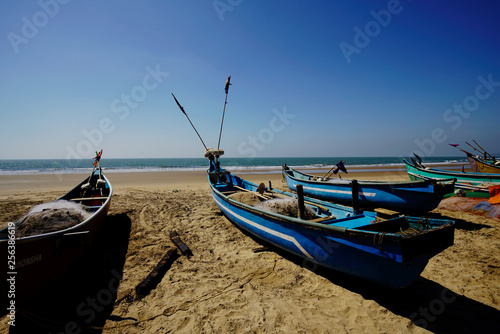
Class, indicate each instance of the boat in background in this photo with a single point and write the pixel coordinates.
(390, 252)
(480, 165)
(416, 197)
(473, 184)
(47, 251)
(486, 164)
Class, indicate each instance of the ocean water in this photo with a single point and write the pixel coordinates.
(255, 165)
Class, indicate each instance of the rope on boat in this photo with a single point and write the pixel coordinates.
(409, 231)
(378, 238)
(424, 222)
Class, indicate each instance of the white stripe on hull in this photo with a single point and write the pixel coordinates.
(266, 229)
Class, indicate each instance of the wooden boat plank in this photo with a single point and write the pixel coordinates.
(89, 198)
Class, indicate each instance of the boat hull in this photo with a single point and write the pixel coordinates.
(351, 251)
(408, 197)
(483, 166)
(39, 259)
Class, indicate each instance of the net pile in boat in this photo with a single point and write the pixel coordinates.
(247, 198)
(285, 206)
(50, 217)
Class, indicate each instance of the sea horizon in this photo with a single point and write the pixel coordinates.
(254, 165)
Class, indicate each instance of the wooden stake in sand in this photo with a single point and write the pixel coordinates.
(179, 244)
(152, 280)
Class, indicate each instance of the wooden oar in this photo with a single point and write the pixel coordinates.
(253, 192)
(485, 153)
(88, 198)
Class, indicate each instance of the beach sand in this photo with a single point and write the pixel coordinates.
(227, 287)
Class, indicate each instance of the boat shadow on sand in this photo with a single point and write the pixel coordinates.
(460, 224)
(425, 303)
(82, 299)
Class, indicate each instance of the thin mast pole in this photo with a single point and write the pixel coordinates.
(182, 109)
(228, 83)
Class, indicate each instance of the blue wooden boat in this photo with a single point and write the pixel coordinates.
(415, 197)
(389, 252)
(41, 254)
(475, 183)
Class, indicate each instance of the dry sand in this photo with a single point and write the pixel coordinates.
(226, 287)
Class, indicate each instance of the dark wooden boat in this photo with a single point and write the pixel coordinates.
(34, 260)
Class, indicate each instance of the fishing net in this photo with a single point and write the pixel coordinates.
(285, 206)
(478, 206)
(494, 195)
(247, 198)
(50, 217)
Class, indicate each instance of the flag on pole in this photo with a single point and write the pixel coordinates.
(182, 109)
(97, 157)
(228, 83)
(340, 166)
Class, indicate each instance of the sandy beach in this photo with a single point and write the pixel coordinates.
(226, 286)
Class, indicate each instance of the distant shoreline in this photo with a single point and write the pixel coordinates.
(165, 180)
(242, 165)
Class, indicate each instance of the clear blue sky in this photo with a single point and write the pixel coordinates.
(310, 78)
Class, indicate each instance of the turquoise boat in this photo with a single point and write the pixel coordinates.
(477, 183)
